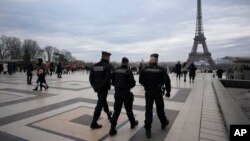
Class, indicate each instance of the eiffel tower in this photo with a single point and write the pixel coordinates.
(200, 39)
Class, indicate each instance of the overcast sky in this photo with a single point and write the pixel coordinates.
(132, 28)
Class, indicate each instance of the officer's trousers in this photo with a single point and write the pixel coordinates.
(101, 103)
(151, 97)
(126, 98)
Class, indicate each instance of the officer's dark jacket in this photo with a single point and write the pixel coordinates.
(100, 76)
(123, 78)
(154, 77)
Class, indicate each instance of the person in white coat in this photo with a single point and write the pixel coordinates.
(5, 68)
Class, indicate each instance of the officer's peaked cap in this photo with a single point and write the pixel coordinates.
(125, 60)
(104, 53)
(155, 55)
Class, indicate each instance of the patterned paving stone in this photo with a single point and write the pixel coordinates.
(65, 110)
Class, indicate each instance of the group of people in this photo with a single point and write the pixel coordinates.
(7, 68)
(52, 68)
(184, 69)
(191, 69)
(41, 70)
(152, 78)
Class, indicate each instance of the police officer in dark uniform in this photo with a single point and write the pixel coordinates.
(153, 77)
(100, 80)
(123, 80)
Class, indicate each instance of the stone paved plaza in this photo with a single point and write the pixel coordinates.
(64, 112)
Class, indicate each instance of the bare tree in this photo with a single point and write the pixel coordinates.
(64, 56)
(31, 49)
(67, 55)
(3, 47)
(55, 54)
(49, 50)
(41, 54)
(14, 47)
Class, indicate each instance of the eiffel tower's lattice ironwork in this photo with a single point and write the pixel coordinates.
(200, 39)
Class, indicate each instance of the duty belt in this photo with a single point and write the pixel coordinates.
(122, 89)
(153, 88)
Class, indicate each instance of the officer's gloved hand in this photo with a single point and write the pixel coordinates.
(167, 94)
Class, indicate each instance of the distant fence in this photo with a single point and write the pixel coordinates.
(10, 60)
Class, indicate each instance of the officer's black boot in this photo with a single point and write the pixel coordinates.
(95, 126)
(132, 126)
(148, 133)
(163, 126)
(112, 131)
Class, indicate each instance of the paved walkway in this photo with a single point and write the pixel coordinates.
(65, 110)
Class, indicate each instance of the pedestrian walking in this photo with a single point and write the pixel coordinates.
(59, 70)
(29, 69)
(178, 70)
(219, 72)
(192, 71)
(51, 68)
